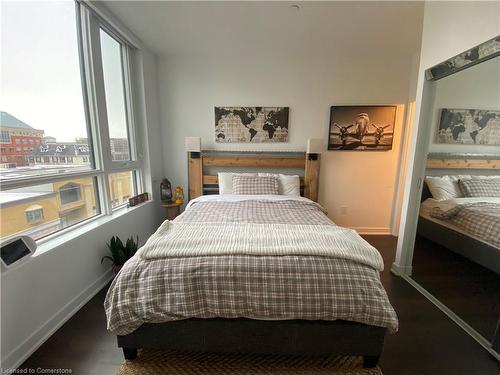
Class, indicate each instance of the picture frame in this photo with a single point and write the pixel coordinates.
(468, 127)
(251, 124)
(361, 127)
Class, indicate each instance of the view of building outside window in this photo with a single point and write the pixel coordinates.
(40, 210)
(43, 126)
(121, 186)
(44, 209)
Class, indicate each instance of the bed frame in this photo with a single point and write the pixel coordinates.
(242, 335)
(477, 251)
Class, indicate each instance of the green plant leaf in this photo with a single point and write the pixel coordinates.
(120, 253)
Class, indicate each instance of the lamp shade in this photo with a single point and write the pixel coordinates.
(193, 144)
(314, 146)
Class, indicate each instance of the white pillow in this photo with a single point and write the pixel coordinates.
(287, 184)
(446, 187)
(226, 181)
(443, 188)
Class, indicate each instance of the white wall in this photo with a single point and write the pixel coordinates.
(452, 27)
(449, 28)
(363, 182)
(43, 293)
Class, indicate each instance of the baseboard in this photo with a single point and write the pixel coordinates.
(373, 230)
(18, 355)
(398, 270)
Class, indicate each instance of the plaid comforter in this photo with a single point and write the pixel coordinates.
(258, 287)
(480, 219)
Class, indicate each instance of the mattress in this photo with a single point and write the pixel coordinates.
(248, 284)
(433, 210)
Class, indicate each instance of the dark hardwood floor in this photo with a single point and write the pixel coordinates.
(427, 342)
(467, 288)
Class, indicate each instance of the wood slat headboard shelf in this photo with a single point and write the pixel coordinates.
(199, 182)
(214, 180)
(254, 161)
(454, 161)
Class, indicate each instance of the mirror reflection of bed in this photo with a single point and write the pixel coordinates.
(456, 256)
(457, 251)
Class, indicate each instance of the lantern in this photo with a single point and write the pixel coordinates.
(179, 195)
(165, 191)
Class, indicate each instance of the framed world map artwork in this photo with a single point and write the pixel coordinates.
(469, 127)
(251, 124)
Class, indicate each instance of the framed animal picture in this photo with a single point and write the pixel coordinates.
(359, 128)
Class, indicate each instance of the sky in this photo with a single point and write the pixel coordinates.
(40, 81)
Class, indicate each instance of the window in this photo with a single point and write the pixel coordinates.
(43, 93)
(37, 210)
(4, 136)
(34, 214)
(112, 66)
(72, 98)
(122, 187)
(70, 193)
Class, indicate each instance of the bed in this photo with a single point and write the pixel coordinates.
(467, 226)
(205, 282)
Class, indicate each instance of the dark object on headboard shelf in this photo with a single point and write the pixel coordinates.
(312, 156)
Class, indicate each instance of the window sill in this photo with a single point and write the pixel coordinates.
(45, 245)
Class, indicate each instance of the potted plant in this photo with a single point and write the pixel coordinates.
(120, 253)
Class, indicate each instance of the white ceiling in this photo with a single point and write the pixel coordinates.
(207, 28)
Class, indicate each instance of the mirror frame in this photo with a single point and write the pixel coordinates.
(464, 60)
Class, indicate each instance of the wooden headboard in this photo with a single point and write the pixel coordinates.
(200, 182)
(462, 161)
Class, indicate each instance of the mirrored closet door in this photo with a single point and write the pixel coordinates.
(456, 254)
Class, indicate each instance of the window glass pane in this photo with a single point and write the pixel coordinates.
(40, 210)
(115, 97)
(42, 113)
(121, 187)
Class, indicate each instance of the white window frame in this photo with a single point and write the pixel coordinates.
(89, 24)
(92, 24)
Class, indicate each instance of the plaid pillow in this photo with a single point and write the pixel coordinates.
(480, 188)
(255, 185)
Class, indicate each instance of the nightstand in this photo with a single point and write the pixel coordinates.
(172, 210)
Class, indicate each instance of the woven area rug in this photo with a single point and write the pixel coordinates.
(182, 363)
